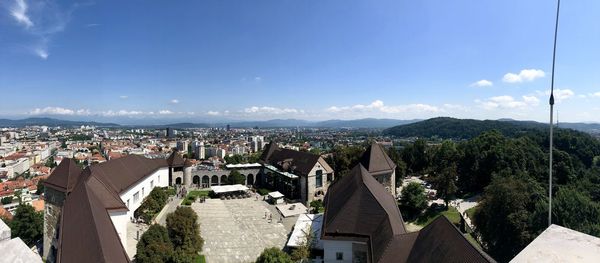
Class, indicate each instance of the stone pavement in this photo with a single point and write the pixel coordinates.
(463, 205)
(170, 207)
(133, 228)
(236, 230)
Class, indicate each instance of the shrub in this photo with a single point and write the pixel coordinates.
(154, 245)
(273, 255)
(183, 230)
(263, 191)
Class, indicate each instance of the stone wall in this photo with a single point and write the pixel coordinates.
(52, 213)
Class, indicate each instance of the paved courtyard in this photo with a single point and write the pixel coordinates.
(236, 230)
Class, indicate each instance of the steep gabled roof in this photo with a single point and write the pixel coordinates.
(87, 233)
(303, 162)
(122, 173)
(175, 160)
(440, 241)
(375, 160)
(268, 151)
(359, 207)
(64, 177)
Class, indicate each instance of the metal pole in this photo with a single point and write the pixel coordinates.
(551, 117)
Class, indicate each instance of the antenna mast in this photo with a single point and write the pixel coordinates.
(551, 119)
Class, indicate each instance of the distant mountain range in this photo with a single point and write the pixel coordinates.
(455, 128)
(276, 123)
(445, 127)
(358, 123)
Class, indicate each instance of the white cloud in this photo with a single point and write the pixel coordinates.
(19, 13)
(596, 94)
(111, 113)
(524, 76)
(41, 52)
(58, 111)
(482, 83)
(165, 112)
(257, 78)
(508, 102)
(41, 20)
(379, 106)
(123, 97)
(174, 101)
(271, 110)
(213, 113)
(561, 94)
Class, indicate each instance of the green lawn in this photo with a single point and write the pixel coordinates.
(200, 259)
(263, 191)
(193, 195)
(199, 193)
(170, 191)
(470, 212)
(424, 219)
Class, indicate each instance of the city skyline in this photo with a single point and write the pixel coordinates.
(310, 60)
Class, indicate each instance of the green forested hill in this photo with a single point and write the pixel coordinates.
(452, 128)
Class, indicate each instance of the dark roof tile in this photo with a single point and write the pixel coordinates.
(375, 160)
(64, 177)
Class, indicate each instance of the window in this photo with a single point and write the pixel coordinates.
(152, 184)
(319, 178)
(127, 203)
(142, 192)
(136, 197)
(339, 256)
(159, 178)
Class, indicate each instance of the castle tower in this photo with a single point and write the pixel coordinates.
(58, 185)
(187, 172)
(176, 163)
(380, 166)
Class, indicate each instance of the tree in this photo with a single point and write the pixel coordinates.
(40, 187)
(184, 231)
(400, 165)
(50, 162)
(254, 157)
(413, 199)
(511, 214)
(17, 195)
(343, 159)
(180, 256)
(154, 246)
(302, 252)
(574, 210)
(273, 255)
(445, 183)
(27, 224)
(234, 159)
(317, 205)
(7, 200)
(236, 178)
(417, 156)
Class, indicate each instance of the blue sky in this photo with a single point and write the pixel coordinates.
(306, 59)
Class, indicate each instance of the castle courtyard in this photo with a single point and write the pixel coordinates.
(237, 231)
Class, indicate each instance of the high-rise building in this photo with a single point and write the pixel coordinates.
(182, 146)
(170, 133)
(199, 151)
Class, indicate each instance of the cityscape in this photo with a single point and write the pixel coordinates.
(299, 131)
